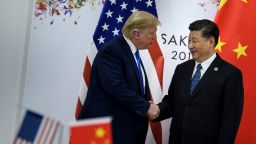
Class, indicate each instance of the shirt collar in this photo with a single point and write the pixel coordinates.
(205, 64)
(131, 45)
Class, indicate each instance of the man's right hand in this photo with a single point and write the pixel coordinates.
(153, 111)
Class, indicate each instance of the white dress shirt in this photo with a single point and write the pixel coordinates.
(134, 49)
(205, 65)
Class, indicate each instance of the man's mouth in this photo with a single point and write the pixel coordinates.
(192, 52)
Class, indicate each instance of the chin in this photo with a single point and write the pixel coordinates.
(194, 58)
(149, 46)
(145, 48)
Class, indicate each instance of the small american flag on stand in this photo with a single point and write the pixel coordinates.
(38, 129)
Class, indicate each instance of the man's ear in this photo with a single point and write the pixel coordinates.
(135, 34)
(212, 41)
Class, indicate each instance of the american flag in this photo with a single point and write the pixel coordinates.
(111, 21)
(38, 129)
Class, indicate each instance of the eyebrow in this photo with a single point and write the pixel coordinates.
(193, 38)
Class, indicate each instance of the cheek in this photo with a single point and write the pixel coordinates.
(146, 39)
(149, 39)
(201, 48)
(204, 50)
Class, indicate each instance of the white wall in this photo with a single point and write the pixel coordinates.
(13, 24)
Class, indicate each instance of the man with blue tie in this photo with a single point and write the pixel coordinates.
(205, 97)
(118, 82)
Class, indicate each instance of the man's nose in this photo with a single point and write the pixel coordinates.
(190, 45)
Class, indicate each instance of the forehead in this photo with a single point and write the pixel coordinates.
(150, 29)
(195, 34)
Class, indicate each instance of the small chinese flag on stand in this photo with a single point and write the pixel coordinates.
(91, 131)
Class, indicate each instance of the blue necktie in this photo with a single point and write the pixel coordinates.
(195, 78)
(137, 55)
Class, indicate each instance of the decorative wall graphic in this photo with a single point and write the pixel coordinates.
(204, 3)
(50, 11)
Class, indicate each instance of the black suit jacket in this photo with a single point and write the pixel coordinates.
(212, 113)
(114, 90)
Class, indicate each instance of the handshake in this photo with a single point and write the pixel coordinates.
(153, 111)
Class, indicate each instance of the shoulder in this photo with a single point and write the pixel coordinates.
(115, 44)
(115, 48)
(231, 70)
(228, 67)
(185, 65)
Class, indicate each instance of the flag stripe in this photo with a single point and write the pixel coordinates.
(83, 88)
(91, 53)
(78, 107)
(50, 132)
(155, 87)
(45, 123)
(157, 57)
(83, 91)
(17, 141)
(47, 132)
(54, 132)
(87, 71)
(157, 131)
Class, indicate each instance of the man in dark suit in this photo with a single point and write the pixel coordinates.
(118, 82)
(205, 97)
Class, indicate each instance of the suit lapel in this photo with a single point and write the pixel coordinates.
(131, 58)
(147, 91)
(188, 79)
(210, 72)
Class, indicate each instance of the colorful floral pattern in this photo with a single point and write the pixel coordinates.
(204, 3)
(45, 9)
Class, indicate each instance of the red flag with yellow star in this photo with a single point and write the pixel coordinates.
(91, 131)
(237, 44)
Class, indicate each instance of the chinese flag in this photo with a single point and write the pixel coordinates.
(91, 131)
(237, 44)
